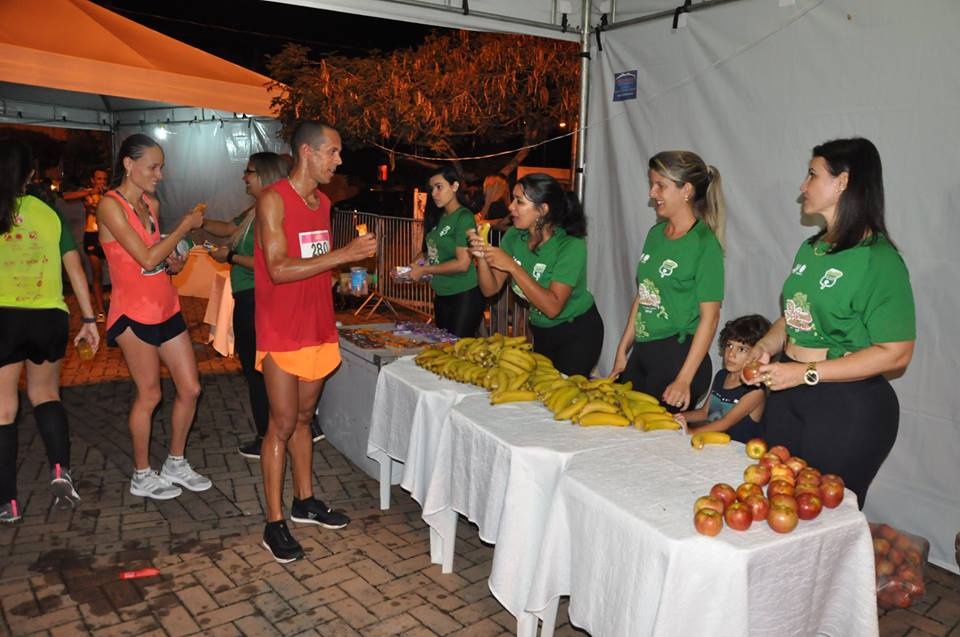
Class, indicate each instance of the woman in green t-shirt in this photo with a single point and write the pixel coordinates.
(34, 324)
(262, 170)
(457, 302)
(848, 319)
(545, 256)
(674, 317)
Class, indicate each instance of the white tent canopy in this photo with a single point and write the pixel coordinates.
(753, 85)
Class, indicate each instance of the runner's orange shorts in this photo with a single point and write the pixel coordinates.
(308, 364)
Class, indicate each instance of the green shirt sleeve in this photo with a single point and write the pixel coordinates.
(887, 299)
(709, 276)
(571, 260)
(67, 243)
(465, 221)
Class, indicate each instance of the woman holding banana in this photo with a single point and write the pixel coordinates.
(545, 256)
(679, 284)
(457, 304)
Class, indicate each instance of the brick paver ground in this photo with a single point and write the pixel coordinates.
(58, 568)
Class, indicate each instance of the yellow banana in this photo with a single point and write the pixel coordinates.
(462, 344)
(646, 408)
(512, 367)
(601, 418)
(598, 406)
(577, 378)
(483, 230)
(626, 409)
(519, 358)
(560, 398)
(542, 361)
(697, 441)
(500, 397)
(642, 397)
(656, 425)
(571, 410)
(517, 381)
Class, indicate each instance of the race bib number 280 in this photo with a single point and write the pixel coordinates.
(315, 243)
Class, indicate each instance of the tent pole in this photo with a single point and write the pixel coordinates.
(581, 133)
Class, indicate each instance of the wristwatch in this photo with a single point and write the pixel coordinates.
(811, 376)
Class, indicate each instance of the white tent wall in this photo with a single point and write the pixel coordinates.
(752, 87)
(204, 159)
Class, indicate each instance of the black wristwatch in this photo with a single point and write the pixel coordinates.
(230, 255)
(811, 376)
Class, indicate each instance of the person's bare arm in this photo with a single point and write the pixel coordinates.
(78, 282)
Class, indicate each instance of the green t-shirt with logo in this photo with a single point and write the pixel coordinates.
(30, 257)
(849, 300)
(674, 276)
(241, 278)
(442, 243)
(561, 258)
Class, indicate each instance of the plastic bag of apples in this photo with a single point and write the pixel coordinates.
(900, 560)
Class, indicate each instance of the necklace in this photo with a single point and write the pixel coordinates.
(302, 198)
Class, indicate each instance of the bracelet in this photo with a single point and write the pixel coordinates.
(88, 320)
(230, 255)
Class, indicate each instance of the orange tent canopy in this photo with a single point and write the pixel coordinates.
(76, 45)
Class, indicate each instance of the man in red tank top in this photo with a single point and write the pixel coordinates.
(297, 343)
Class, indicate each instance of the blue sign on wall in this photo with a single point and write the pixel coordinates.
(625, 86)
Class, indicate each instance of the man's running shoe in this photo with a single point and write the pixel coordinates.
(9, 512)
(153, 485)
(251, 449)
(180, 472)
(313, 511)
(61, 483)
(277, 540)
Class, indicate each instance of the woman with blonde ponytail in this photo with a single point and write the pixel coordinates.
(262, 170)
(674, 317)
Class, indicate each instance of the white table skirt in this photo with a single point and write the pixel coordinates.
(219, 313)
(499, 465)
(409, 407)
(620, 542)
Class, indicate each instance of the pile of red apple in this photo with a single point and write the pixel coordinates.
(795, 492)
(899, 558)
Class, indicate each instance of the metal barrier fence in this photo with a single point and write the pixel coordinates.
(398, 241)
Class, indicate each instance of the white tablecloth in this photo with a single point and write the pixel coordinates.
(622, 544)
(409, 407)
(219, 313)
(499, 465)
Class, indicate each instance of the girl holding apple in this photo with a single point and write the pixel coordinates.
(675, 314)
(848, 320)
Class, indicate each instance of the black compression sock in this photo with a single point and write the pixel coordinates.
(8, 462)
(51, 420)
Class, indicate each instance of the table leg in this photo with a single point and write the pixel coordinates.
(550, 617)
(527, 625)
(386, 474)
(442, 551)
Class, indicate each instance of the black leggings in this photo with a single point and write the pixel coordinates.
(245, 341)
(460, 314)
(574, 346)
(653, 365)
(842, 428)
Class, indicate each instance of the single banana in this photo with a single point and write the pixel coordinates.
(697, 441)
(641, 396)
(656, 425)
(518, 381)
(647, 408)
(571, 410)
(500, 397)
(483, 230)
(598, 406)
(601, 418)
(560, 398)
(519, 358)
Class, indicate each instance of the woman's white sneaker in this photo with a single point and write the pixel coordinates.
(179, 471)
(149, 484)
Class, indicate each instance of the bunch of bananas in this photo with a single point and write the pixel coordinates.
(600, 401)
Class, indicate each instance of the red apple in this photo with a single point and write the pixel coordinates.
(895, 556)
(782, 519)
(809, 474)
(783, 500)
(738, 516)
(759, 506)
(756, 447)
(750, 373)
(885, 568)
(707, 521)
(881, 546)
(806, 487)
(770, 460)
(709, 502)
(781, 452)
(783, 472)
(831, 493)
(903, 542)
(809, 506)
(913, 556)
(887, 532)
(797, 464)
(778, 487)
(747, 489)
(831, 477)
(757, 474)
(725, 492)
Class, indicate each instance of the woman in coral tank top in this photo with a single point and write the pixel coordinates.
(144, 318)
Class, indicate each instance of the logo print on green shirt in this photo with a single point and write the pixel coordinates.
(797, 313)
(829, 278)
(667, 268)
(538, 269)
